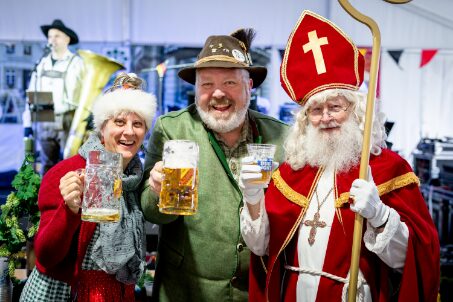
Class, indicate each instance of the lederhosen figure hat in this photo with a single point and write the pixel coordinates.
(231, 51)
(319, 56)
(58, 24)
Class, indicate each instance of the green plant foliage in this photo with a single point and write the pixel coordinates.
(146, 277)
(20, 214)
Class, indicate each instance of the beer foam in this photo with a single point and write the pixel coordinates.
(180, 162)
(180, 154)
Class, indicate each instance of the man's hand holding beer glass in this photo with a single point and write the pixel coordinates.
(256, 171)
(175, 178)
(155, 177)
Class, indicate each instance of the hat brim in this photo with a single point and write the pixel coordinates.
(257, 73)
(73, 38)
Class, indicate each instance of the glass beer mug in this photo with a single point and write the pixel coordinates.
(103, 187)
(263, 155)
(179, 193)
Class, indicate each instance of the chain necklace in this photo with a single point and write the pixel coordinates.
(315, 222)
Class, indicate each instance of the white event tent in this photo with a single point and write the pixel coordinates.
(417, 96)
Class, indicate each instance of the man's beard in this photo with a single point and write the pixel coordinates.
(221, 125)
(340, 149)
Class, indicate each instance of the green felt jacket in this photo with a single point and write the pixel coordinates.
(202, 257)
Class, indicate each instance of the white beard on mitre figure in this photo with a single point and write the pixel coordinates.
(339, 149)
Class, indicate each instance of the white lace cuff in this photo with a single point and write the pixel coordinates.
(247, 224)
(254, 231)
(377, 242)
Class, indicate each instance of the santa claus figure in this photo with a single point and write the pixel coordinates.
(300, 230)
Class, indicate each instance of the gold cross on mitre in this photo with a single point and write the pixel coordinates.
(314, 45)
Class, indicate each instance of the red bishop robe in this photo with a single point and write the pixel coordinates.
(288, 197)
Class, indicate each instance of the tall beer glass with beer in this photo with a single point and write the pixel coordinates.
(263, 155)
(179, 193)
(102, 187)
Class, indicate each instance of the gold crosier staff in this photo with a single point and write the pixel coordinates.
(364, 161)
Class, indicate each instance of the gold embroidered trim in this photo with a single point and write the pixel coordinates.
(398, 182)
(324, 87)
(315, 183)
(354, 47)
(220, 58)
(384, 188)
(340, 219)
(333, 85)
(337, 207)
(288, 238)
(283, 187)
(356, 65)
(297, 198)
(285, 58)
(287, 191)
(342, 199)
(263, 264)
(300, 199)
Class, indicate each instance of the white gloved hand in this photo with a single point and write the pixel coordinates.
(251, 172)
(367, 202)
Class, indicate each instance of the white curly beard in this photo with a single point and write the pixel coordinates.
(340, 149)
(223, 125)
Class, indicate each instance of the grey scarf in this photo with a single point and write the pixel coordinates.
(120, 247)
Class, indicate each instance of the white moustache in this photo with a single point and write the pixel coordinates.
(331, 124)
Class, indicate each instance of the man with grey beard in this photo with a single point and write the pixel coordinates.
(303, 225)
(203, 257)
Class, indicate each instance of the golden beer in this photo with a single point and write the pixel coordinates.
(101, 215)
(117, 188)
(179, 193)
(265, 178)
(263, 156)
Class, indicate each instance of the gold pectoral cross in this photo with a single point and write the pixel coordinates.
(314, 224)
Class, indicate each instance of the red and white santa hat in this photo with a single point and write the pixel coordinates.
(319, 56)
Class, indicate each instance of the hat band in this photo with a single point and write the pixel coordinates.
(304, 100)
(220, 58)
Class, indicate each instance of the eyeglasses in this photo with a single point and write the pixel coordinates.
(317, 112)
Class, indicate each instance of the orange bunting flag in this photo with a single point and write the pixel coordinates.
(161, 68)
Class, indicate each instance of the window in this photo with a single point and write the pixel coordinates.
(27, 50)
(10, 76)
(10, 49)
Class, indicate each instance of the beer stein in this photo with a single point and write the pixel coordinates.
(179, 193)
(102, 187)
(263, 155)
